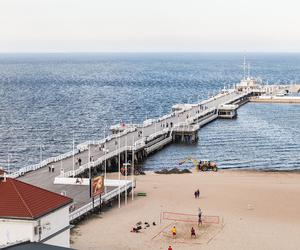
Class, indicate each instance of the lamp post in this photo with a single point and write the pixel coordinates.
(132, 170)
(132, 166)
(41, 148)
(126, 169)
(73, 156)
(105, 151)
(155, 121)
(8, 162)
(105, 165)
(119, 170)
(41, 152)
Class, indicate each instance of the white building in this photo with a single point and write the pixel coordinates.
(247, 84)
(29, 213)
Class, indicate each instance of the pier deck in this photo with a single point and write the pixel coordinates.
(44, 178)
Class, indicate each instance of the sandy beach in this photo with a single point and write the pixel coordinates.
(256, 210)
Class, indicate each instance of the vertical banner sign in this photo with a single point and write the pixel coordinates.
(97, 186)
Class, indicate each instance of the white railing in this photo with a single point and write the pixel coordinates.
(158, 133)
(207, 120)
(106, 197)
(187, 128)
(193, 119)
(237, 97)
(85, 145)
(159, 144)
(139, 144)
(44, 163)
(81, 147)
(165, 117)
(92, 164)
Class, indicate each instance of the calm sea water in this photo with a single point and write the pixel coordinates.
(46, 99)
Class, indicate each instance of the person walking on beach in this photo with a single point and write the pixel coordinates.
(79, 161)
(198, 193)
(193, 233)
(174, 231)
(199, 217)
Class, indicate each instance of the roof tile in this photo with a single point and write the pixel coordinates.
(24, 201)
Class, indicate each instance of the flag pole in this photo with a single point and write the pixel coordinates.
(126, 169)
(73, 155)
(105, 157)
(132, 168)
(41, 153)
(119, 161)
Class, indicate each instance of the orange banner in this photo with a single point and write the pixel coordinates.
(97, 186)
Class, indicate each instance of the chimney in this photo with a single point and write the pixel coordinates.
(3, 177)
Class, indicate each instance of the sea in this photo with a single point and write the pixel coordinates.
(46, 100)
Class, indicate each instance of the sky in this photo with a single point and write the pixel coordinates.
(149, 26)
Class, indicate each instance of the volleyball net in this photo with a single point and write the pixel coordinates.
(192, 218)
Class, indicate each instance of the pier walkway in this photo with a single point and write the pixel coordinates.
(133, 142)
(153, 134)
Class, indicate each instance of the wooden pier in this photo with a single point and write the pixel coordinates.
(132, 143)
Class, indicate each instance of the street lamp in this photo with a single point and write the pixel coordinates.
(126, 165)
(73, 156)
(105, 152)
(41, 153)
(132, 166)
(41, 148)
(8, 162)
(119, 170)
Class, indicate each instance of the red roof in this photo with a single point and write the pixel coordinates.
(24, 201)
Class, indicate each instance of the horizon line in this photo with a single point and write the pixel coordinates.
(149, 52)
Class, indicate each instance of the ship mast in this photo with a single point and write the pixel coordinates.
(248, 70)
(244, 67)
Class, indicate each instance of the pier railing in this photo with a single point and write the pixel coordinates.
(159, 144)
(92, 164)
(85, 145)
(106, 197)
(81, 147)
(187, 128)
(44, 163)
(229, 97)
(156, 134)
